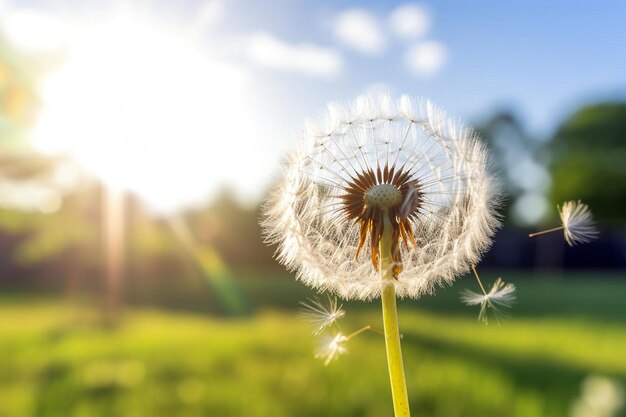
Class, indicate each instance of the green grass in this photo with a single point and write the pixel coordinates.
(55, 362)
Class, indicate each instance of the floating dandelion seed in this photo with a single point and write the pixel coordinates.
(374, 164)
(500, 296)
(334, 347)
(600, 396)
(321, 314)
(577, 223)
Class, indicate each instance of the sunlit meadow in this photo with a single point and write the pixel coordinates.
(54, 362)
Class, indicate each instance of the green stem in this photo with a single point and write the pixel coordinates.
(390, 324)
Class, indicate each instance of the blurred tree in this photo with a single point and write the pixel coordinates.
(234, 231)
(18, 100)
(521, 159)
(28, 180)
(64, 250)
(52, 232)
(589, 151)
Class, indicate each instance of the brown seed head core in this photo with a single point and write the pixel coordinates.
(383, 196)
(370, 196)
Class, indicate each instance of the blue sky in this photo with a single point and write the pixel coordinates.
(269, 65)
(541, 58)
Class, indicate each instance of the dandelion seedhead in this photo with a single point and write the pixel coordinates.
(321, 313)
(501, 295)
(576, 222)
(375, 164)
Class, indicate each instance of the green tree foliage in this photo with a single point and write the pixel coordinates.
(589, 151)
(18, 100)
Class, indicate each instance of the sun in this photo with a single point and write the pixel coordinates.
(145, 108)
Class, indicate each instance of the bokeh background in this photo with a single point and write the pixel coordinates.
(137, 139)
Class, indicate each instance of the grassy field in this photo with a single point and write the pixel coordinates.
(55, 362)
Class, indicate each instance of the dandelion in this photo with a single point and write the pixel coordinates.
(577, 223)
(374, 162)
(321, 314)
(500, 295)
(383, 199)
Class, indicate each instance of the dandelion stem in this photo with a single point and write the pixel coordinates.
(390, 324)
(554, 229)
(478, 279)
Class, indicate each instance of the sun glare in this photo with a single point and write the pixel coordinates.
(145, 108)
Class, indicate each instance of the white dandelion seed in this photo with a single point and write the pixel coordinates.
(501, 295)
(377, 162)
(321, 313)
(332, 348)
(576, 222)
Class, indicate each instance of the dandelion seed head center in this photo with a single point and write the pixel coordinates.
(383, 196)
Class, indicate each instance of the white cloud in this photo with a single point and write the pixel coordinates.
(207, 15)
(426, 59)
(267, 50)
(410, 21)
(360, 30)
